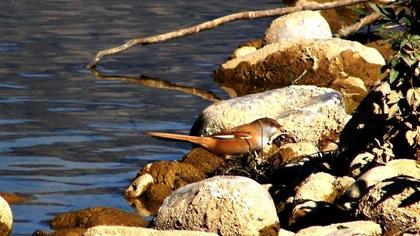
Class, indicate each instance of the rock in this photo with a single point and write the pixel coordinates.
(308, 113)
(61, 232)
(306, 213)
(337, 63)
(174, 174)
(90, 217)
(317, 187)
(294, 151)
(139, 185)
(393, 203)
(361, 163)
(242, 51)
(6, 218)
(203, 160)
(367, 228)
(283, 232)
(314, 198)
(227, 205)
(135, 231)
(298, 25)
(399, 167)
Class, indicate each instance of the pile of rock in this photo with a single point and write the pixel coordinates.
(304, 184)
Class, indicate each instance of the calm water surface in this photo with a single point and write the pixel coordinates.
(70, 141)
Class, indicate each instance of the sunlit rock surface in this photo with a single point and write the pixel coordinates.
(227, 205)
(298, 25)
(136, 231)
(367, 228)
(344, 65)
(394, 204)
(307, 112)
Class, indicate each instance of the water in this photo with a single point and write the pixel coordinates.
(70, 141)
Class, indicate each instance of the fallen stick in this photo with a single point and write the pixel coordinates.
(367, 20)
(216, 22)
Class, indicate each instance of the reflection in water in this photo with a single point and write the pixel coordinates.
(159, 83)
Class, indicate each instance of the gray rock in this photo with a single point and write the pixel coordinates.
(394, 204)
(135, 231)
(6, 217)
(309, 113)
(227, 205)
(298, 25)
(366, 228)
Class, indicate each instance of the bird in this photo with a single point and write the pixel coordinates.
(239, 140)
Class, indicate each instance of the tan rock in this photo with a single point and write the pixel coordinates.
(337, 63)
(136, 231)
(90, 217)
(317, 187)
(367, 228)
(298, 25)
(227, 205)
(393, 204)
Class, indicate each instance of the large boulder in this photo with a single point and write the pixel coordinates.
(298, 25)
(309, 113)
(347, 66)
(227, 205)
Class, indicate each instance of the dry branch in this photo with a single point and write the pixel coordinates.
(367, 20)
(219, 21)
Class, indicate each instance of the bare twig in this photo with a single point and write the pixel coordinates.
(216, 22)
(367, 20)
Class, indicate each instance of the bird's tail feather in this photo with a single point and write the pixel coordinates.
(181, 137)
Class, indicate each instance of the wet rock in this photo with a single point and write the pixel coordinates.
(6, 218)
(172, 174)
(139, 185)
(227, 205)
(90, 217)
(399, 167)
(336, 63)
(394, 204)
(367, 228)
(298, 25)
(308, 113)
(203, 160)
(135, 231)
(14, 198)
(294, 151)
(61, 232)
